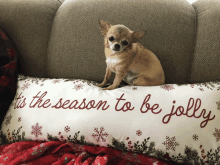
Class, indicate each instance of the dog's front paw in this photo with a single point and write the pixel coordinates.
(100, 85)
(109, 88)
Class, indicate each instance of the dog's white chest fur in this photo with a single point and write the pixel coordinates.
(111, 62)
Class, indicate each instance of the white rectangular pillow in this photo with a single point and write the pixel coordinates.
(173, 122)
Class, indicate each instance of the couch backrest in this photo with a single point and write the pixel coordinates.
(206, 58)
(62, 39)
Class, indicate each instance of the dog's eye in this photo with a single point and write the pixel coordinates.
(111, 38)
(125, 43)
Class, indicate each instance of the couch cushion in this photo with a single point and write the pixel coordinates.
(28, 22)
(172, 122)
(76, 48)
(206, 61)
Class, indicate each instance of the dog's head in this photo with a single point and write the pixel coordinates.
(118, 37)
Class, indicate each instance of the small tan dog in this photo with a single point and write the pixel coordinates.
(127, 59)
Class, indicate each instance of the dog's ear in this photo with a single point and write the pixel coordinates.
(136, 36)
(105, 26)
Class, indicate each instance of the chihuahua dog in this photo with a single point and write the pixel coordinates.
(129, 60)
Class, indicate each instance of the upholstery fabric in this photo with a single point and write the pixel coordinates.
(206, 61)
(62, 39)
(76, 48)
(28, 22)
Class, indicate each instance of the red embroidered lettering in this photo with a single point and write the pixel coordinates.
(83, 105)
(189, 108)
(205, 122)
(40, 100)
(21, 103)
(74, 106)
(190, 105)
(99, 104)
(65, 103)
(91, 104)
(127, 104)
(58, 104)
(147, 105)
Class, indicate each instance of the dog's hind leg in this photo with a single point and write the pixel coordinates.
(143, 81)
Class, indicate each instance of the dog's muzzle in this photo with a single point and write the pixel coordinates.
(116, 47)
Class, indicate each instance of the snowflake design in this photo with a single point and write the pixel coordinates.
(100, 134)
(217, 134)
(170, 143)
(56, 81)
(168, 87)
(36, 130)
(195, 137)
(218, 105)
(77, 87)
(8, 120)
(19, 119)
(25, 86)
(138, 132)
(67, 129)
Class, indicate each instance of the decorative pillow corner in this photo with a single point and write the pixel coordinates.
(8, 72)
(173, 122)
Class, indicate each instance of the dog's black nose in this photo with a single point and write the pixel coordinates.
(117, 47)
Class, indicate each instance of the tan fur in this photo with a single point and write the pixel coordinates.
(133, 62)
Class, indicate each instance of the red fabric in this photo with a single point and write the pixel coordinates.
(61, 153)
(8, 73)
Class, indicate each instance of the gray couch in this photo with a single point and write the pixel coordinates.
(62, 39)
